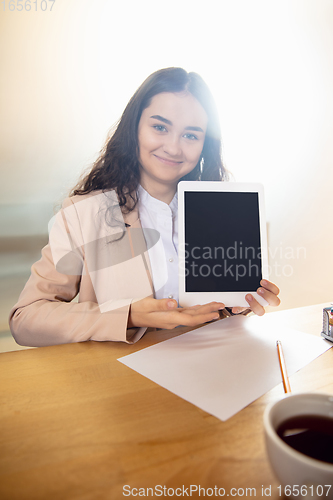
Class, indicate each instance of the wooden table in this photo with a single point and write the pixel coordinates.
(77, 424)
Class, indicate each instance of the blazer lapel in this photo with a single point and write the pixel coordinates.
(137, 240)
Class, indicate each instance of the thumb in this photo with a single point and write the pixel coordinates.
(167, 304)
(238, 310)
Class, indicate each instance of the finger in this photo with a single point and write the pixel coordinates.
(210, 307)
(172, 319)
(166, 304)
(189, 308)
(151, 305)
(271, 287)
(204, 314)
(238, 310)
(189, 319)
(172, 304)
(202, 309)
(254, 305)
(270, 297)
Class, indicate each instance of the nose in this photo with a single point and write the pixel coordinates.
(172, 145)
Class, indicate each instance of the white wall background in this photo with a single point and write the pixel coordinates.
(67, 74)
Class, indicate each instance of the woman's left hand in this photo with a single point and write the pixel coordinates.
(268, 291)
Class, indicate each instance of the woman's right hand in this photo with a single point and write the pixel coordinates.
(165, 314)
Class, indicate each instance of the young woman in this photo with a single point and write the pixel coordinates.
(103, 245)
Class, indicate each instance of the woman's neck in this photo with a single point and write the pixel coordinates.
(163, 193)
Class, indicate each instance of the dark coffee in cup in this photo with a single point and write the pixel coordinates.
(311, 435)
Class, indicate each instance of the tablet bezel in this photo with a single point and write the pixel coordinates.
(230, 299)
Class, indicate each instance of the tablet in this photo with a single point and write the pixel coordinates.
(222, 242)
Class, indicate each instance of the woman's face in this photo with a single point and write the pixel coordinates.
(171, 136)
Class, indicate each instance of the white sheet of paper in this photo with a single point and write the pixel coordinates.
(224, 366)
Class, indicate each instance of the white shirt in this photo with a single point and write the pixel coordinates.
(156, 214)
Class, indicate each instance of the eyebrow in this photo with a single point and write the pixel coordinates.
(168, 122)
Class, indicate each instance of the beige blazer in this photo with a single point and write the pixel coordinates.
(107, 266)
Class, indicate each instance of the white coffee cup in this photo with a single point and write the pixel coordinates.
(292, 467)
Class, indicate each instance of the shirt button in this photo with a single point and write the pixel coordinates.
(170, 296)
(171, 259)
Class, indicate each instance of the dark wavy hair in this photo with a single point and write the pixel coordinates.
(118, 166)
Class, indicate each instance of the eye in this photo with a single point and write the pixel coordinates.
(160, 128)
(192, 137)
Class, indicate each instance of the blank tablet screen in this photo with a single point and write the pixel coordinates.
(222, 241)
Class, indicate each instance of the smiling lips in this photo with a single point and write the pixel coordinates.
(168, 162)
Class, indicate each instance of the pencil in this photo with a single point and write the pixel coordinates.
(283, 367)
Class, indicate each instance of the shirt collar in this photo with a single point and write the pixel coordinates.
(156, 205)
